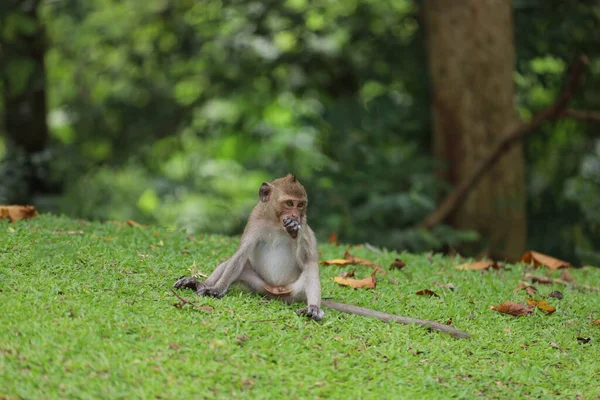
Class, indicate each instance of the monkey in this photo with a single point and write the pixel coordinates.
(277, 257)
(277, 251)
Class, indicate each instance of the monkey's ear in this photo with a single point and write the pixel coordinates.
(291, 177)
(264, 193)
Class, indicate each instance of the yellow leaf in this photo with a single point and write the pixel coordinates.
(542, 305)
(366, 283)
(477, 266)
(337, 261)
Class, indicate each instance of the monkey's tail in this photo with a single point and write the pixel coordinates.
(385, 317)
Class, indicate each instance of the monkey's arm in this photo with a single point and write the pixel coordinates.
(225, 274)
(367, 312)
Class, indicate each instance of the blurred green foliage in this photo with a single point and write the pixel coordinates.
(174, 112)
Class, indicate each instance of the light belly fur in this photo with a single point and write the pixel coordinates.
(274, 262)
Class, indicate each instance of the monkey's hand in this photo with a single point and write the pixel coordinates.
(199, 286)
(313, 312)
(292, 226)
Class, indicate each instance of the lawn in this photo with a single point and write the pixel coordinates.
(86, 311)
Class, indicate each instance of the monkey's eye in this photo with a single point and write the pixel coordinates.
(301, 204)
(289, 203)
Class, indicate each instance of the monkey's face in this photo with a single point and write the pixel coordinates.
(291, 214)
(291, 207)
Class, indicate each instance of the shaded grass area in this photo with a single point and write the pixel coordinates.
(86, 312)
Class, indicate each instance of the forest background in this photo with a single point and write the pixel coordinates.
(173, 112)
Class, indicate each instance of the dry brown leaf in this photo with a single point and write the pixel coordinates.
(340, 262)
(366, 283)
(348, 274)
(397, 264)
(427, 292)
(566, 275)
(531, 290)
(278, 290)
(14, 213)
(131, 222)
(596, 322)
(516, 309)
(333, 238)
(349, 259)
(542, 305)
(543, 259)
(362, 261)
(477, 266)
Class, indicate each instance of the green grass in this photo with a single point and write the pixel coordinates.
(91, 316)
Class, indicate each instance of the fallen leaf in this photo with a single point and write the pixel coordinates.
(531, 290)
(348, 274)
(366, 283)
(427, 292)
(14, 213)
(542, 259)
(477, 266)
(542, 305)
(131, 222)
(583, 340)
(349, 259)
(596, 322)
(340, 262)
(566, 275)
(362, 261)
(397, 264)
(556, 294)
(278, 290)
(516, 309)
(333, 238)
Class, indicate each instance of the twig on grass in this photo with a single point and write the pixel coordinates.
(186, 301)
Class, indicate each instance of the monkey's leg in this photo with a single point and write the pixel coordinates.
(252, 280)
(216, 274)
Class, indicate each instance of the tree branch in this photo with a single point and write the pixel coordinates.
(385, 317)
(582, 115)
(511, 136)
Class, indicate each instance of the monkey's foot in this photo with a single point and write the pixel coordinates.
(292, 226)
(211, 291)
(313, 312)
(191, 283)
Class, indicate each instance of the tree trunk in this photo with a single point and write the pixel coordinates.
(471, 62)
(24, 79)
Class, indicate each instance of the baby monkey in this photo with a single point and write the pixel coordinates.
(277, 254)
